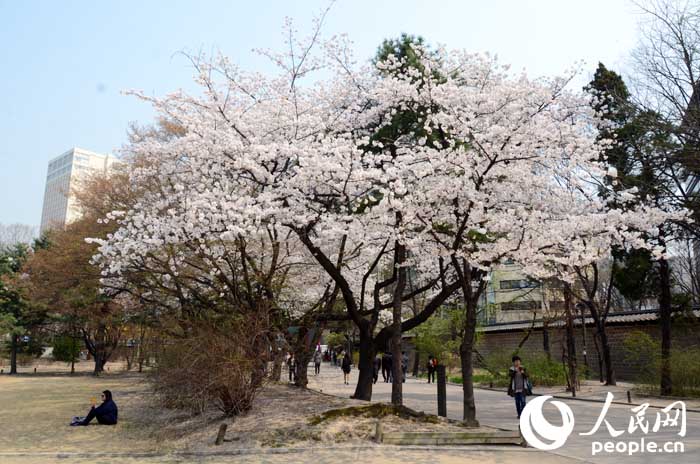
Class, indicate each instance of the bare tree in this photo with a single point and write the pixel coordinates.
(11, 234)
(667, 65)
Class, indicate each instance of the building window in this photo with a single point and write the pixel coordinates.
(520, 306)
(517, 284)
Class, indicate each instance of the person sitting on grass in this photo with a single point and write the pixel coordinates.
(106, 413)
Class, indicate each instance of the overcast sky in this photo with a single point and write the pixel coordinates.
(64, 63)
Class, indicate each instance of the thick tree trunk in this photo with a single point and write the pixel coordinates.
(99, 362)
(604, 350)
(363, 390)
(607, 356)
(302, 356)
(666, 387)
(466, 348)
(276, 374)
(98, 349)
(397, 355)
(14, 346)
(466, 357)
(596, 337)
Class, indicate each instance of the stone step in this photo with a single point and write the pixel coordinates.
(453, 438)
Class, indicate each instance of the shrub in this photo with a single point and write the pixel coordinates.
(547, 372)
(645, 352)
(543, 371)
(220, 365)
(65, 348)
(642, 351)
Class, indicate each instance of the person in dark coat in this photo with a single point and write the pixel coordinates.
(292, 367)
(386, 367)
(106, 413)
(404, 366)
(518, 387)
(431, 369)
(377, 363)
(347, 361)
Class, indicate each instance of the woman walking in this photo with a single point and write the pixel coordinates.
(347, 361)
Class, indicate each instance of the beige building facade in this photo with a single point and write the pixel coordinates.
(512, 296)
(63, 176)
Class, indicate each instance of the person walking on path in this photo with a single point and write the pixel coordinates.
(106, 413)
(317, 361)
(291, 367)
(386, 367)
(404, 365)
(518, 387)
(431, 369)
(377, 363)
(345, 364)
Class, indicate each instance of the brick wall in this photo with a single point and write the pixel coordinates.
(684, 335)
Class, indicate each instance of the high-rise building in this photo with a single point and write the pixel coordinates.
(64, 174)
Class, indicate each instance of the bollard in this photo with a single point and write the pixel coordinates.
(378, 434)
(222, 433)
(629, 396)
(441, 391)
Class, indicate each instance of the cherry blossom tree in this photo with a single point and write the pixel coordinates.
(498, 166)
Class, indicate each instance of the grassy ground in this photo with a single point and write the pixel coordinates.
(35, 410)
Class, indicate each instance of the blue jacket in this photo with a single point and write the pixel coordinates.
(107, 413)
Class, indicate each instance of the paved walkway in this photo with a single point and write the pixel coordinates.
(496, 409)
(594, 390)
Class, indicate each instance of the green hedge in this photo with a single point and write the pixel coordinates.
(644, 351)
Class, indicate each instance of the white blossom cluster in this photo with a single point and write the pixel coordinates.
(507, 167)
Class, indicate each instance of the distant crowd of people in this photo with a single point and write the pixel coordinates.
(519, 386)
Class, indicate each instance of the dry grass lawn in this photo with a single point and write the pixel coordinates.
(35, 411)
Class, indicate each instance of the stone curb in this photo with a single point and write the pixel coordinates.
(264, 451)
(590, 400)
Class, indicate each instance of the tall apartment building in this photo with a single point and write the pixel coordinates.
(64, 174)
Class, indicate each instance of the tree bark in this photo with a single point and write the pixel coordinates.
(466, 357)
(99, 348)
(397, 355)
(596, 337)
(607, 356)
(466, 348)
(363, 389)
(276, 374)
(302, 355)
(666, 387)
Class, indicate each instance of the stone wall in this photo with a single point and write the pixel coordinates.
(684, 335)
